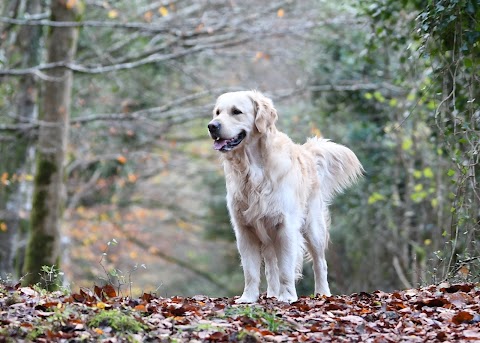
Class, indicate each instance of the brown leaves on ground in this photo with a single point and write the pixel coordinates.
(431, 314)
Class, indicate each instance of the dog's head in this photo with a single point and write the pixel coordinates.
(238, 116)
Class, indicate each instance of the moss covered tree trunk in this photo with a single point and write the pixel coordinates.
(15, 195)
(43, 248)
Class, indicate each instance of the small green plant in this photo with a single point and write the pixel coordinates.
(36, 333)
(60, 315)
(117, 320)
(268, 318)
(116, 276)
(273, 322)
(51, 278)
(208, 326)
(51, 281)
(39, 288)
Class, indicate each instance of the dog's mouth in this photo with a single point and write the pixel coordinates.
(228, 144)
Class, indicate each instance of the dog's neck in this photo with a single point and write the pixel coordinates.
(253, 151)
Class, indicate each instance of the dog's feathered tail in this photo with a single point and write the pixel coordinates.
(338, 167)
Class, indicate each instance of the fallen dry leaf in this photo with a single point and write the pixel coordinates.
(462, 317)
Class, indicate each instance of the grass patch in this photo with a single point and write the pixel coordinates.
(117, 320)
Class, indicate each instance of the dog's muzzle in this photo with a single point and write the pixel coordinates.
(214, 129)
(224, 144)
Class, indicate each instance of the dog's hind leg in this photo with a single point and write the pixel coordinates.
(271, 270)
(316, 235)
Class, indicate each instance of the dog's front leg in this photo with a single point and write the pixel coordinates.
(249, 247)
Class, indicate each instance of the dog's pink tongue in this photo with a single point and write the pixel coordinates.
(220, 143)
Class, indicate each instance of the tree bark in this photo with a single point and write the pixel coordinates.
(15, 196)
(43, 248)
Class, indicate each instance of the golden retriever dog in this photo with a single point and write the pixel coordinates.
(277, 193)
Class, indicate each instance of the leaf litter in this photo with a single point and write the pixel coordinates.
(443, 313)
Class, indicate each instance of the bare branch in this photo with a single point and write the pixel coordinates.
(170, 111)
(155, 58)
(162, 28)
(18, 127)
(353, 87)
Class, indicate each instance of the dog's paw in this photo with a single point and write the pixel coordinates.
(272, 294)
(275, 295)
(288, 298)
(246, 299)
(323, 292)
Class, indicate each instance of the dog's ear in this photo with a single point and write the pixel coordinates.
(265, 113)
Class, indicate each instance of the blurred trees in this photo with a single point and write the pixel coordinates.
(449, 33)
(16, 150)
(43, 247)
(394, 80)
(417, 136)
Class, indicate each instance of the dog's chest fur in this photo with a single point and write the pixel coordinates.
(254, 205)
(257, 198)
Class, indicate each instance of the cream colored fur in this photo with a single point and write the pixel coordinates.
(277, 194)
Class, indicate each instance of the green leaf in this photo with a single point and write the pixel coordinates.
(451, 172)
(428, 173)
(418, 196)
(368, 96)
(407, 144)
(431, 105)
(378, 96)
(393, 102)
(417, 174)
(374, 197)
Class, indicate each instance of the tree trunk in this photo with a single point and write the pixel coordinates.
(15, 196)
(43, 248)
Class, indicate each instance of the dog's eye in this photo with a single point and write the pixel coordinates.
(236, 111)
(217, 112)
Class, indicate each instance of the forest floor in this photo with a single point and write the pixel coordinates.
(430, 314)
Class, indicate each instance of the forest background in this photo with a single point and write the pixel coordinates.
(107, 173)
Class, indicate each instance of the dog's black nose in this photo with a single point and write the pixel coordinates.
(214, 127)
